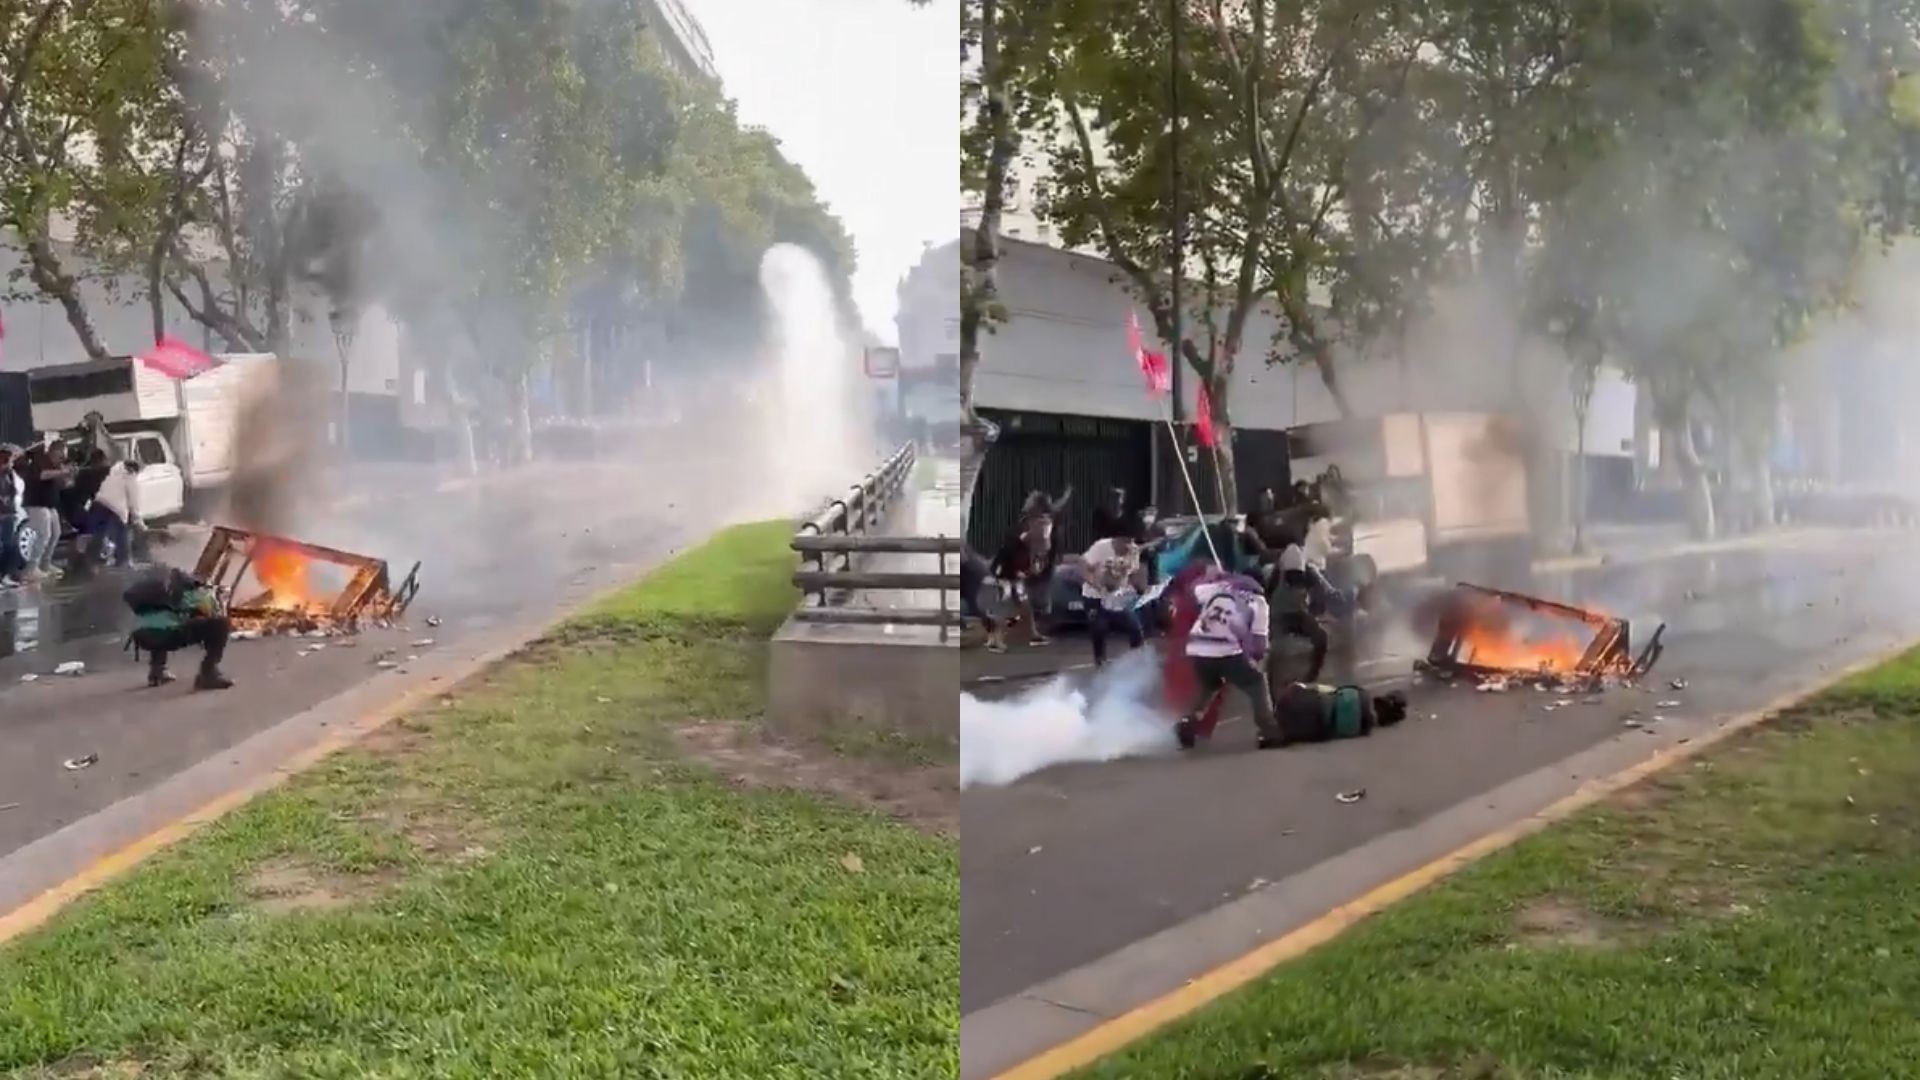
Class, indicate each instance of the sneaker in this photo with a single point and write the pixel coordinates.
(998, 647)
(159, 679)
(1185, 733)
(1038, 641)
(212, 681)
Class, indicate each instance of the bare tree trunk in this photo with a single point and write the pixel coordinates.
(1701, 521)
(521, 398)
(980, 288)
(51, 278)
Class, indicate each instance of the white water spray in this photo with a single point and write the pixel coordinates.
(1119, 716)
(814, 422)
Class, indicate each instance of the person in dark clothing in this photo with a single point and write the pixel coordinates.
(12, 564)
(175, 612)
(1313, 714)
(1291, 603)
(973, 584)
(47, 475)
(1112, 518)
(1025, 564)
(86, 484)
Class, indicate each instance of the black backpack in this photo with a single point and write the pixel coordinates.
(158, 592)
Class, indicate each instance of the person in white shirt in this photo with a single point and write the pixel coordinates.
(115, 513)
(1226, 645)
(1110, 579)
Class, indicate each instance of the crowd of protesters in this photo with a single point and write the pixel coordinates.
(44, 495)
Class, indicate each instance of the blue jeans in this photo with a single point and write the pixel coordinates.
(104, 526)
(1101, 622)
(11, 564)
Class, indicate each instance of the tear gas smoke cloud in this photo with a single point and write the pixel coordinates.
(1118, 716)
(766, 381)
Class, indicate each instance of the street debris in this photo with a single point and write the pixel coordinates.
(71, 668)
(433, 621)
(1503, 640)
(29, 677)
(291, 601)
(423, 643)
(1669, 705)
(75, 764)
(9, 806)
(852, 863)
(1350, 797)
(1677, 684)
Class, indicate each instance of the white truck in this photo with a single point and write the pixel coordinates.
(181, 432)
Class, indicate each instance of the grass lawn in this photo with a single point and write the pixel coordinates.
(1755, 914)
(528, 880)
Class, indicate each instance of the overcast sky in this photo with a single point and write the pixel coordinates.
(863, 95)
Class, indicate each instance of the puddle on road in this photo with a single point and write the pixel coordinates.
(38, 618)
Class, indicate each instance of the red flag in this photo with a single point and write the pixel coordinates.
(1203, 419)
(176, 359)
(1153, 365)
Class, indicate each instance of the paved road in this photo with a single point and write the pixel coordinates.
(490, 555)
(1069, 865)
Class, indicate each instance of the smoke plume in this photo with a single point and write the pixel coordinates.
(1118, 716)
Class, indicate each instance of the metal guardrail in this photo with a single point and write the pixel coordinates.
(839, 532)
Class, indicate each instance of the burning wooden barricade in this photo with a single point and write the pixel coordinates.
(291, 598)
(1501, 637)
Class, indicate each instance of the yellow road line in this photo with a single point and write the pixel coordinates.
(1111, 1035)
(38, 910)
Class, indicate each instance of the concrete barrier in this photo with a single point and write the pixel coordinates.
(878, 664)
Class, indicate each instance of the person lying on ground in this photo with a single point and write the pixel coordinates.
(1111, 579)
(1313, 714)
(174, 611)
(1227, 643)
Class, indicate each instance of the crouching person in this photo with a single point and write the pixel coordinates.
(1310, 714)
(173, 612)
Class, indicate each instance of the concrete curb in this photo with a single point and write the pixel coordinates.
(39, 880)
(1077, 1018)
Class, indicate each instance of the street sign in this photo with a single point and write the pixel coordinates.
(882, 362)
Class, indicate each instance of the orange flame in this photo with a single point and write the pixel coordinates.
(1491, 640)
(284, 571)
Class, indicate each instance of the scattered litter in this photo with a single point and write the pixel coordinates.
(1035, 849)
(852, 863)
(385, 665)
(412, 658)
(1631, 722)
(1659, 719)
(1350, 797)
(74, 764)
(244, 635)
(71, 667)
(433, 620)
(1257, 884)
(319, 633)
(603, 701)
(29, 677)
(423, 643)
(9, 806)
(1668, 704)
(1678, 684)
(1494, 686)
